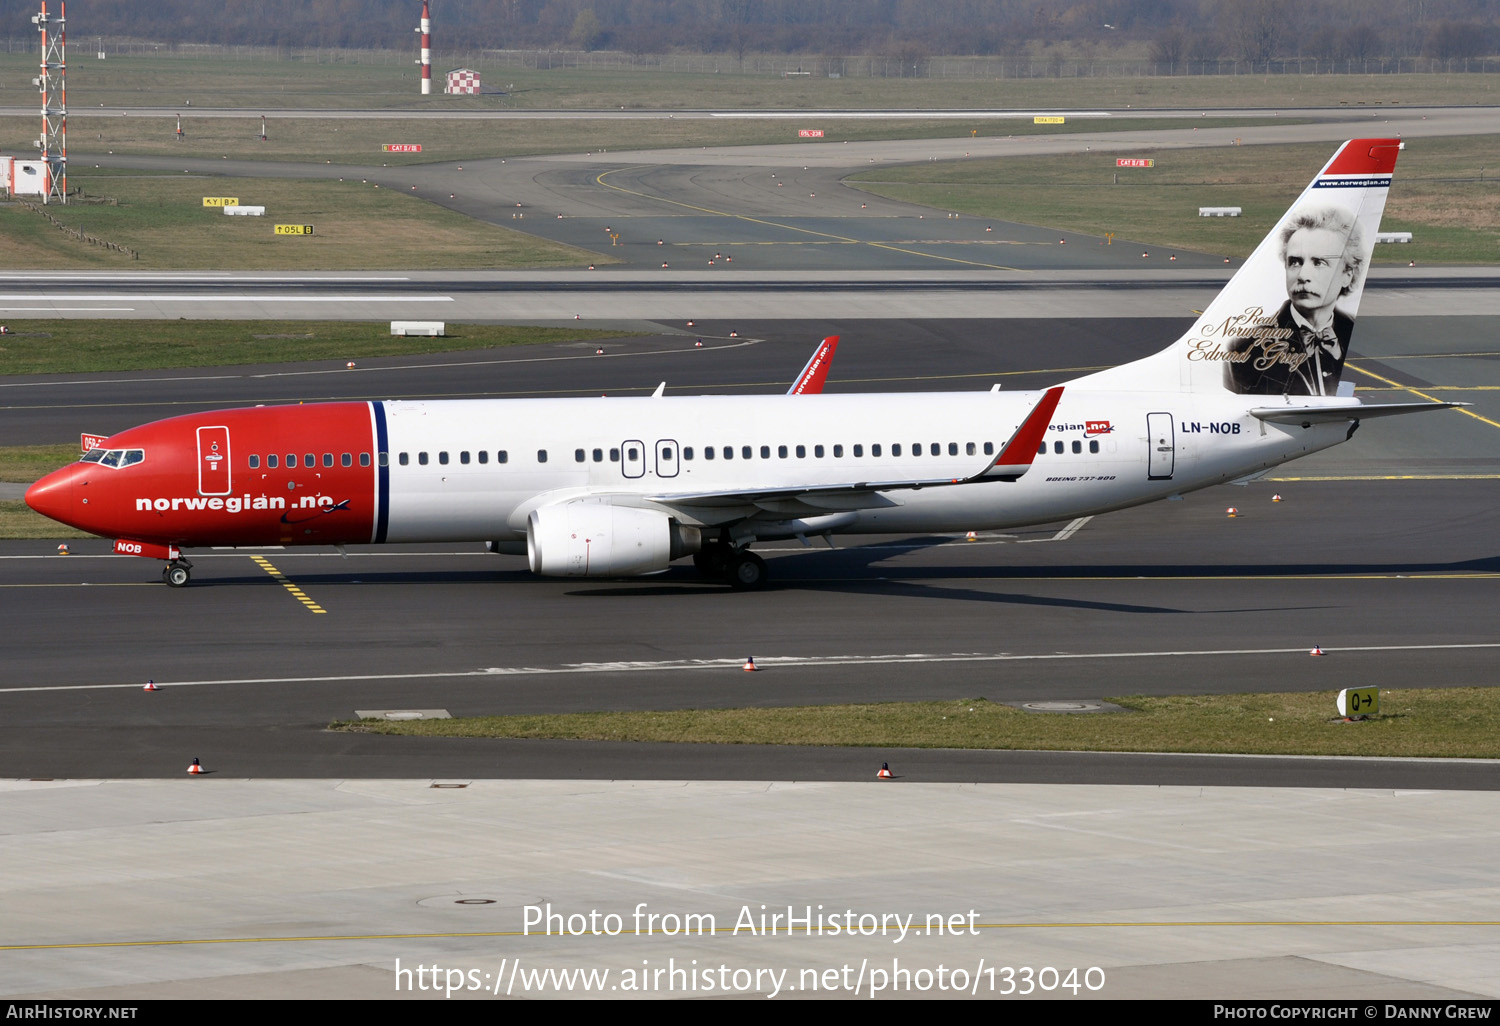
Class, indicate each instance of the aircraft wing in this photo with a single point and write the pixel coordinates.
(810, 380)
(1352, 411)
(1013, 460)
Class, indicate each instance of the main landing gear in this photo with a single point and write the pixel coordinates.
(177, 573)
(742, 569)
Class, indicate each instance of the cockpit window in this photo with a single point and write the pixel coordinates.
(114, 457)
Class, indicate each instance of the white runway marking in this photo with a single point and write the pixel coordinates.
(254, 297)
(768, 662)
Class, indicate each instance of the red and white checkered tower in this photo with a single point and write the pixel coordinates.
(426, 59)
(53, 84)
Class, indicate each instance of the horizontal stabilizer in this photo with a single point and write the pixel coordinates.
(1333, 414)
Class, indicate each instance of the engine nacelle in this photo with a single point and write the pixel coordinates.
(585, 538)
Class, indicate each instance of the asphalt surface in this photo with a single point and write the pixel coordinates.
(1169, 598)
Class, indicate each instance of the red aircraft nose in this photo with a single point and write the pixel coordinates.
(52, 496)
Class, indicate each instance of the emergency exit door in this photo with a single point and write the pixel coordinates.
(213, 461)
(1163, 449)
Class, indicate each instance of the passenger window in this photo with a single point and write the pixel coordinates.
(859, 450)
(404, 458)
(896, 449)
(765, 452)
(838, 452)
(254, 462)
(875, 450)
(953, 449)
(614, 455)
(598, 455)
(744, 452)
(385, 459)
(708, 452)
(541, 455)
(969, 449)
(666, 454)
(578, 456)
(937, 449)
(1094, 445)
(328, 459)
(422, 458)
(1057, 447)
(818, 451)
(1078, 447)
(311, 460)
(802, 452)
(781, 452)
(632, 454)
(291, 460)
(443, 457)
(463, 457)
(346, 460)
(484, 456)
(364, 459)
(502, 456)
(687, 452)
(1041, 449)
(989, 448)
(271, 461)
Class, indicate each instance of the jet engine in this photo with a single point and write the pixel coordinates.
(588, 538)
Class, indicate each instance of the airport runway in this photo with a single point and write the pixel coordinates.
(785, 208)
(1172, 597)
(1351, 878)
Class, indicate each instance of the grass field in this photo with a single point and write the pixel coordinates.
(1446, 192)
(17, 521)
(1437, 723)
(356, 227)
(358, 142)
(75, 346)
(218, 82)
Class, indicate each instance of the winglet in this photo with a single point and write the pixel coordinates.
(1015, 459)
(810, 381)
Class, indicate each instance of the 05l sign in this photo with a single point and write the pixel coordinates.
(294, 229)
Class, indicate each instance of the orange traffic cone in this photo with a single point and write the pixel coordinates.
(1233, 511)
(1276, 498)
(195, 768)
(885, 772)
(1317, 650)
(750, 666)
(151, 686)
(62, 550)
(971, 536)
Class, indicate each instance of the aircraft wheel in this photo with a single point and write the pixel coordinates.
(175, 575)
(747, 571)
(712, 560)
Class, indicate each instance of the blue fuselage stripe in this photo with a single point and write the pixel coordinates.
(382, 459)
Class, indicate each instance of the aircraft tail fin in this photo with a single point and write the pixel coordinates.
(1282, 324)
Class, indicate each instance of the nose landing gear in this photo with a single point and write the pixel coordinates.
(177, 573)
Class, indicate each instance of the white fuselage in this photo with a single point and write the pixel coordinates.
(1103, 451)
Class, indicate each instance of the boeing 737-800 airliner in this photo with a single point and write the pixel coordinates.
(612, 487)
